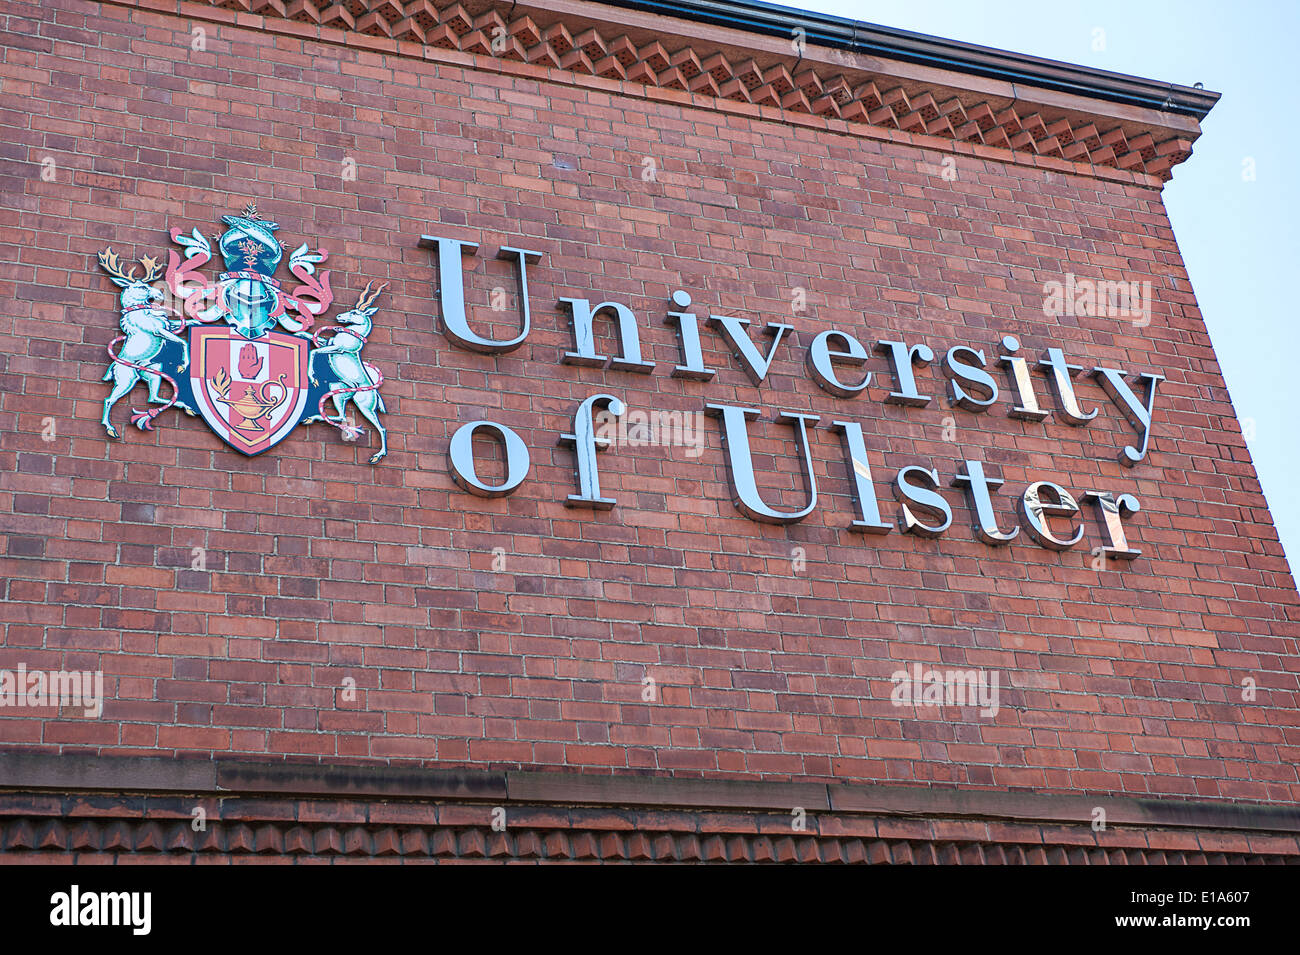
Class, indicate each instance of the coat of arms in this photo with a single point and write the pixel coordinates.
(242, 352)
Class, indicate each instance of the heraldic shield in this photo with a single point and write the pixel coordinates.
(250, 392)
(215, 343)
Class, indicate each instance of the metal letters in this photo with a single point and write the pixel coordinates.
(855, 450)
(584, 340)
(1062, 383)
(585, 444)
(740, 462)
(986, 523)
(1112, 511)
(901, 360)
(464, 472)
(822, 356)
(832, 357)
(1041, 500)
(1027, 406)
(756, 365)
(688, 329)
(923, 497)
(1112, 380)
(963, 371)
(451, 291)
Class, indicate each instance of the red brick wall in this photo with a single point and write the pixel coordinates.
(322, 568)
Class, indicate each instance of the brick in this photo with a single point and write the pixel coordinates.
(321, 569)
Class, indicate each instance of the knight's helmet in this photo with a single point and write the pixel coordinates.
(252, 254)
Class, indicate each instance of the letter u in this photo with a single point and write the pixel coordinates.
(451, 293)
(740, 463)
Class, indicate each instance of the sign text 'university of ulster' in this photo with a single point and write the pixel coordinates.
(265, 370)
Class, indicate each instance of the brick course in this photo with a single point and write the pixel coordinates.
(320, 568)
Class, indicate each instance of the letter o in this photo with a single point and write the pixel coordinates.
(465, 474)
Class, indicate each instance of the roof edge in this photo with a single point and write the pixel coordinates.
(1056, 117)
(868, 38)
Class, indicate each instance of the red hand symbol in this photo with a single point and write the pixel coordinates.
(250, 362)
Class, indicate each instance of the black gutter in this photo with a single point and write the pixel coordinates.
(825, 30)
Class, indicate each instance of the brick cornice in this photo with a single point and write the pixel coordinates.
(630, 52)
(83, 808)
(222, 777)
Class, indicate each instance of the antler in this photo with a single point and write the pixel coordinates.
(110, 263)
(152, 269)
(368, 296)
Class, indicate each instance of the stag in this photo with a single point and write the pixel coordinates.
(360, 381)
(146, 330)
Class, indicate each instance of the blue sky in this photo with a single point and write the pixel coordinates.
(1237, 236)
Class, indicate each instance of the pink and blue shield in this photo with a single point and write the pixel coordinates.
(251, 392)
